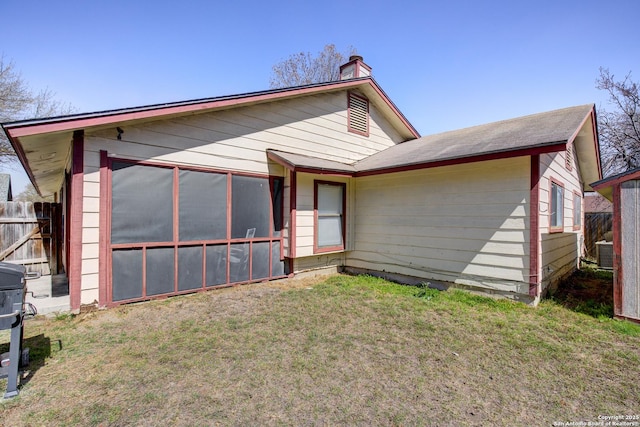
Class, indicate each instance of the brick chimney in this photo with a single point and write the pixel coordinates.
(354, 68)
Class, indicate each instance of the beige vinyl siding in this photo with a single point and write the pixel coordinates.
(233, 140)
(237, 139)
(560, 251)
(467, 224)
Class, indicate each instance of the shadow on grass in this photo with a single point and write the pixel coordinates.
(39, 351)
(587, 291)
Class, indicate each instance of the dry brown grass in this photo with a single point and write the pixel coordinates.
(348, 351)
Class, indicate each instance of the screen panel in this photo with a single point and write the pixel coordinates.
(251, 205)
(277, 265)
(239, 262)
(160, 271)
(141, 203)
(216, 265)
(189, 268)
(260, 260)
(202, 206)
(126, 277)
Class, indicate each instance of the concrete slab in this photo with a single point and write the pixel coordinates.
(49, 294)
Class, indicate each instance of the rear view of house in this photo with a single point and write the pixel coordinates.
(180, 197)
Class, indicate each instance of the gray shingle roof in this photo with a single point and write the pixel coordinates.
(514, 135)
(5, 188)
(531, 131)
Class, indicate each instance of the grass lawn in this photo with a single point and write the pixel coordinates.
(337, 351)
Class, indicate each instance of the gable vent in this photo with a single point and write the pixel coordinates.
(358, 114)
(568, 158)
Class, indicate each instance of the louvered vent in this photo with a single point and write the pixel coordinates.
(568, 159)
(358, 114)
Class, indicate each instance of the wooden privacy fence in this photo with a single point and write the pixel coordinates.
(595, 227)
(30, 235)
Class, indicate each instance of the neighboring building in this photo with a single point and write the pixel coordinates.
(623, 191)
(598, 226)
(179, 197)
(5, 188)
(596, 203)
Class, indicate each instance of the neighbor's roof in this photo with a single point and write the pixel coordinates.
(534, 134)
(596, 203)
(5, 188)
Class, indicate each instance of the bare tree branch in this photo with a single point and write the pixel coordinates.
(303, 68)
(17, 102)
(619, 129)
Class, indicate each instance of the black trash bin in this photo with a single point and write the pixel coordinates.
(12, 298)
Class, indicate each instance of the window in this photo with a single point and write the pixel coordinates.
(358, 114)
(557, 207)
(329, 216)
(577, 211)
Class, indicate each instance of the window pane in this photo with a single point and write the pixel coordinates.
(557, 205)
(160, 277)
(329, 199)
(216, 265)
(203, 206)
(251, 205)
(126, 274)
(142, 204)
(330, 231)
(577, 210)
(189, 268)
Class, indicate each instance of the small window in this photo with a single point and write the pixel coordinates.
(358, 114)
(568, 157)
(577, 211)
(329, 212)
(557, 207)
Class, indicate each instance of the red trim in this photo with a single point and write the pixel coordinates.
(316, 248)
(293, 194)
(556, 228)
(618, 273)
(462, 160)
(577, 227)
(105, 238)
(534, 227)
(75, 213)
(351, 94)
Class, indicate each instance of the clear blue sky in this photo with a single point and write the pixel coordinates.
(445, 64)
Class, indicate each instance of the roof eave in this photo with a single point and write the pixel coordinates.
(495, 155)
(110, 117)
